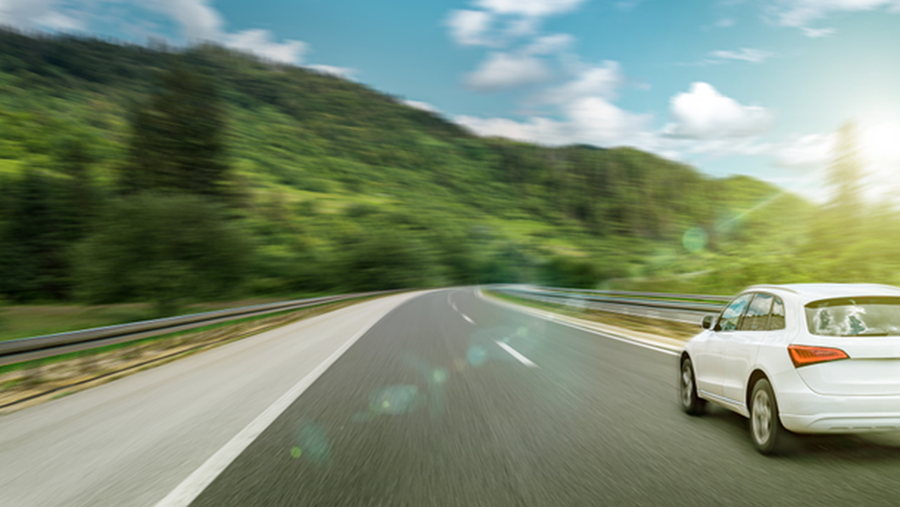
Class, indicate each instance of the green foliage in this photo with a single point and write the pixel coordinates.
(335, 186)
(165, 248)
(177, 137)
(385, 260)
(33, 264)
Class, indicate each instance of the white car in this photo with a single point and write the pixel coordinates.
(804, 358)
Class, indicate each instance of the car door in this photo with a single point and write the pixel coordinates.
(742, 346)
(709, 359)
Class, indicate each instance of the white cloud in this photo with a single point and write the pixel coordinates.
(725, 23)
(344, 72)
(801, 13)
(718, 148)
(534, 130)
(39, 13)
(591, 121)
(424, 106)
(745, 54)
(593, 81)
(197, 18)
(536, 8)
(704, 113)
(470, 27)
(200, 21)
(815, 33)
(804, 152)
(586, 114)
(497, 23)
(503, 71)
(520, 27)
(259, 43)
(597, 121)
(550, 44)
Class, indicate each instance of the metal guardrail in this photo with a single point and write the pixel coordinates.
(688, 308)
(650, 295)
(40, 347)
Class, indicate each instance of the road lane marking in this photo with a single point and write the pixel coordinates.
(452, 303)
(194, 484)
(467, 318)
(553, 318)
(515, 353)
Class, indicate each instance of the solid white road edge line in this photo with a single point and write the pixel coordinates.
(576, 326)
(190, 488)
(515, 353)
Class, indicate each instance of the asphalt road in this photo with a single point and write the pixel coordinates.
(428, 408)
(132, 441)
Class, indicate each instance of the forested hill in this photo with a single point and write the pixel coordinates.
(325, 185)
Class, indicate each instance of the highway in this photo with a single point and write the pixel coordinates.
(445, 398)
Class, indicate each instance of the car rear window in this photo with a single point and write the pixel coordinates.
(861, 316)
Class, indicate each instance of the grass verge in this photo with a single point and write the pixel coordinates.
(25, 321)
(32, 382)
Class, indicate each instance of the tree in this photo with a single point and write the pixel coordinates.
(838, 225)
(177, 138)
(80, 197)
(33, 264)
(845, 176)
(163, 248)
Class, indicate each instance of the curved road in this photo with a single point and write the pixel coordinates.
(450, 399)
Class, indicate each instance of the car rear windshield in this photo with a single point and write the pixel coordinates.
(862, 316)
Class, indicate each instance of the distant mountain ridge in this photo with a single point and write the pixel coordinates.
(324, 165)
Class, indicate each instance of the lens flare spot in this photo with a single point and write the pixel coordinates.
(694, 239)
(439, 376)
(522, 332)
(312, 443)
(476, 355)
(393, 400)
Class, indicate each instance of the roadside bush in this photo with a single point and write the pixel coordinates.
(162, 248)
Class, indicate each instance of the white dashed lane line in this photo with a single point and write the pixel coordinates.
(467, 318)
(515, 353)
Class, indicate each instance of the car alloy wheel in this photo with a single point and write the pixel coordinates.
(690, 402)
(766, 431)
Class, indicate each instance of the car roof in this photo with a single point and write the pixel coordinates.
(807, 292)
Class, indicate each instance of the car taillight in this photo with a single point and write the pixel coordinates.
(802, 355)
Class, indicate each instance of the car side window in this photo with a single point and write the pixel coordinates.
(777, 319)
(728, 321)
(756, 318)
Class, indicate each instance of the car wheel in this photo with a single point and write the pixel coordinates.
(766, 431)
(690, 402)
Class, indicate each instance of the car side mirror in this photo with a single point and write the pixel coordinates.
(706, 323)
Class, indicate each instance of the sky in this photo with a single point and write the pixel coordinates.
(756, 87)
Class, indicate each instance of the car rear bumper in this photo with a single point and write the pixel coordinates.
(842, 414)
(803, 410)
(858, 423)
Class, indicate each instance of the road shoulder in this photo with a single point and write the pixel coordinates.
(665, 344)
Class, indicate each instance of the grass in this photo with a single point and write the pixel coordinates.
(32, 382)
(37, 363)
(24, 321)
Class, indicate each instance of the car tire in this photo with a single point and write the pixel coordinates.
(691, 404)
(766, 431)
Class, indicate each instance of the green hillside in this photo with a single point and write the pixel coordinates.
(334, 186)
